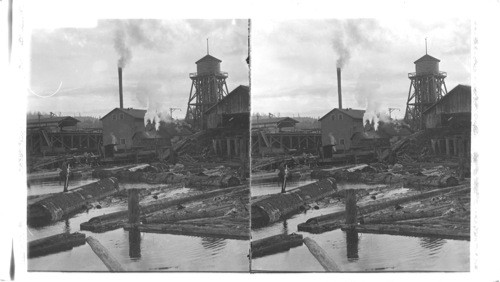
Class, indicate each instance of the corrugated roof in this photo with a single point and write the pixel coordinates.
(136, 113)
(427, 57)
(355, 114)
(461, 88)
(208, 58)
(273, 120)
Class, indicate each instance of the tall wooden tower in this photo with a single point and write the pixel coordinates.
(208, 87)
(426, 87)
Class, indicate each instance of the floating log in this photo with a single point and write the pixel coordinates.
(194, 230)
(104, 255)
(223, 181)
(116, 220)
(326, 262)
(409, 230)
(53, 208)
(415, 181)
(275, 244)
(278, 206)
(54, 244)
(331, 221)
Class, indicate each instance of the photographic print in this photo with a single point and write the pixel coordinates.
(361, 145)
(137, 146)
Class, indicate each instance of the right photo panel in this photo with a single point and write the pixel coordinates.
(360, 145)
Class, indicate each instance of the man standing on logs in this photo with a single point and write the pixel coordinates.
(282, 175)
(64, 175)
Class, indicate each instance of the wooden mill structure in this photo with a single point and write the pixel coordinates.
(427, 86)
(208, 87)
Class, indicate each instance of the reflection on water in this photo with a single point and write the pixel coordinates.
(354, 251)
(352, 242)
(137, 251)
(134, 242)
(214, 245)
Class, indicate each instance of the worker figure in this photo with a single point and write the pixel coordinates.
(64, 175)
(282, 175)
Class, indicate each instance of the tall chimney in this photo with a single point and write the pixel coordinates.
(339, 88)
(120, 86)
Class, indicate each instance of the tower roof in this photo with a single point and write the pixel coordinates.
(427, 57)
(208, 58)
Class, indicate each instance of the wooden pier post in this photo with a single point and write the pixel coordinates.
(351, 210)
(134, 241)
(111, 263)
(352, 242)
(134, 211)
(326, 262)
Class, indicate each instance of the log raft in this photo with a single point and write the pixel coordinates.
(117, 220)
(57, 206)
(334, 221)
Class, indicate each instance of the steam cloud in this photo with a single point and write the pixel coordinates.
(149, 34)
(349, 35)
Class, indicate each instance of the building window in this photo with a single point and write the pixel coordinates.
(342, 142)
(113, 116)
(333, 117)
(122, 141)
(341, 117)
(121, 116)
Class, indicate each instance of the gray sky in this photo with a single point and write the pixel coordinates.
(162, 54)
(294, 62)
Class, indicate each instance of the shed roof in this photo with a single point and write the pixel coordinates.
(208, 58)
(135, 113)
(460, 88)
(60, 121)
(240, 90)
(273, 120)
(355, 114)
(427, 57)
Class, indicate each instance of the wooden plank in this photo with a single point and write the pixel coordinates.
(104, 255)
(321, 256)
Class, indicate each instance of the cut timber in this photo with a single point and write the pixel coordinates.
(53, 208)
(116, 220)
(326, 262)
(275, 244)
(104, 255)
(331, 221)
(409, 230)
(194, 230)
(278, 206)
(54, 244)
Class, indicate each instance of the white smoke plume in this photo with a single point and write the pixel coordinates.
(351, 34)
(149, 34)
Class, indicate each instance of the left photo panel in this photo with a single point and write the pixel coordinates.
(137, 145)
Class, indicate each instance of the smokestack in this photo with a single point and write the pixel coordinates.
(339, 88)
(120, 86)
